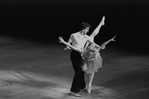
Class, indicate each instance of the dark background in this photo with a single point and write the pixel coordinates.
(31, 57)
(45, 20)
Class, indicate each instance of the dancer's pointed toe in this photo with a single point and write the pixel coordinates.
(89, 88)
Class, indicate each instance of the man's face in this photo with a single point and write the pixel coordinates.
(86, 30)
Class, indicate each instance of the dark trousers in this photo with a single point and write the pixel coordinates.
(78, 80)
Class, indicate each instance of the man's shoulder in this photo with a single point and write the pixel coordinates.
(74, 34)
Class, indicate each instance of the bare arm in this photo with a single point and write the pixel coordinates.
(68, 44)
(96, 31)
(105, 43)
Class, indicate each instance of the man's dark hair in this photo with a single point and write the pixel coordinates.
(84, 25)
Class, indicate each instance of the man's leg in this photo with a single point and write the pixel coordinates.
(82, 80)
(76, 83)
(76, 62)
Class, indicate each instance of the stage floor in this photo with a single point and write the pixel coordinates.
(35, 70)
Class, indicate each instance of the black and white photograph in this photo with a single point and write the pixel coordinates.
(74, 49)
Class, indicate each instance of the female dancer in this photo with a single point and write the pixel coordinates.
(92, 59)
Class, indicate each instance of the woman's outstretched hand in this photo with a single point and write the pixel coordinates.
(61, 40)
(113, 39)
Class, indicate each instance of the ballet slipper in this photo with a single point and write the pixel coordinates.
(89, 89)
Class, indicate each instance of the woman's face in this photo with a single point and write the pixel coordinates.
(92, 46)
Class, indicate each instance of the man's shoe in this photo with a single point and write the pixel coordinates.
(74, 94)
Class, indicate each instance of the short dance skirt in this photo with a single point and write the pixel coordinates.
(94, 65)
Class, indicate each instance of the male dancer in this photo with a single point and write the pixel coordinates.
(78, 40)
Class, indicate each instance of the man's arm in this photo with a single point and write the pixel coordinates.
(69, 45)
(69, 42)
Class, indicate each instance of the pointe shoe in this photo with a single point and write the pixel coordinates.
(103, 19)
(89, 89)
